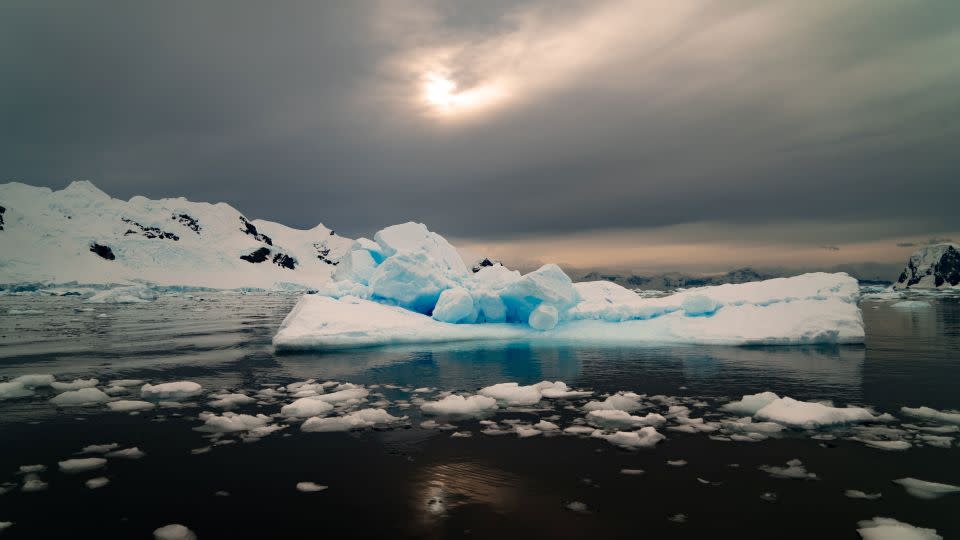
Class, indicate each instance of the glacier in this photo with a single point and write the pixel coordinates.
(421, 292)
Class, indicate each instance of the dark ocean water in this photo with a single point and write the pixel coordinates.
(416, 482)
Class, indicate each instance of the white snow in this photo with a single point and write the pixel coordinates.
(174, 531)
(170, 391)
(751, 404)
(559, 390)
(457, 405)
(455, 305)
(78, 465)
(84, 396)
(882, 528)
(130, 405)
(923, 489)
(933, 415)
(309, 487)
(363, 418)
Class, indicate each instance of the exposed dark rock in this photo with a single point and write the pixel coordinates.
(257, 256)
(187, 221)
(323, 253)
(149, 232)
(2, 211)
(941, 262)
(483, 264)
(251, 230)
(285, 261)
(103, 251)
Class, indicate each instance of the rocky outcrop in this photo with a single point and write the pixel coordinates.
(931, 267)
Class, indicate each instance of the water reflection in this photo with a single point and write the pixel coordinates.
(444, 487)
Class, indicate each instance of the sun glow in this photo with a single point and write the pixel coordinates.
(444, 97)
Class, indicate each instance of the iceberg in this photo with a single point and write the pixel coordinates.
(410, 285)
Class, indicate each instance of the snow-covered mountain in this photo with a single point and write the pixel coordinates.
(936, 266)
(81, 234)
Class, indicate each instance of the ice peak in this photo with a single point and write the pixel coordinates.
(85, 187)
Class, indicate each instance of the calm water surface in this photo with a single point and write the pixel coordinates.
(416, 482)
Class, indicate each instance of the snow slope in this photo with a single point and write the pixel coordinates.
(81, 234)
(932, 267)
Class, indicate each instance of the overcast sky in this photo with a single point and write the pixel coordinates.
(533, 129)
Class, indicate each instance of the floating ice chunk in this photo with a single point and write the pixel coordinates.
(231, 401)
(881, 528)
(306, 407)
(457, 405)
(644, 438)
(32, 483)
(579, 430)
(14, 390)
(526, 431)
(84, 396)
(5, 525)
(348, 395)
(621, 401)
(933, 429)
(678, 518)
(886, 445)
(123, 295)
(174, 531)
(31, 469)
(911, 304)
(127, 382)
(699, 305)
(490, 307)
(230, 422)
(559, 390)
(461, 435)
(544, 317)
(130, 405)
(78, 465)
(309, 487)
(99, 448)
(751, 404)
(923, 489)
(34, 380)
(24, 312)
(623, 419)
(926, 413)
(544, 425)
(455, 305)
(747, 425)
(857, 494)
(76, 384)
(127, 453)
(511, 393)
(793, 470)
(171, 390)
(363, 418)
(97, 483)
(811, 415)
(938, 441)
(677, 462)
(632, 472)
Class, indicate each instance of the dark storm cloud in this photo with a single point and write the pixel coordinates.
(620, 114)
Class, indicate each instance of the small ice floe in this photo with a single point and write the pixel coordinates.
(170, 391)
(677, 462)
(524, 431)
(79, 465)
(456, 405)
(221, 493)
(174, 531)
(130, 405)
(939, 441)
(75, 384)
(578, 430)
(433, 424)
(97, 483)
(560, 390)
(632, 472)
(706, 482)
(644, 438)
(305, 407)
(125, 383)
(230, 422)
(25, 312)
(768, 496)
(309, 487)
(811, 415)
(576, 506)
(5, 525)
(82, 397)
(793, 470)
(361, 419)
(99, 448)
(613, 418)
(32, 469)
(911, 304)
(857, 494)
(678, 518)
(461, 435)
(544, 425)
(511, 393)
(230, 401)
(202, 450)
(621, 401)
(923, 489)
(24, 385)
(933, 415)
(495, 430)
(933, 429)
(881, 528)
(896, 446)
(32, 483)
(127, 453)
(750, 404)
